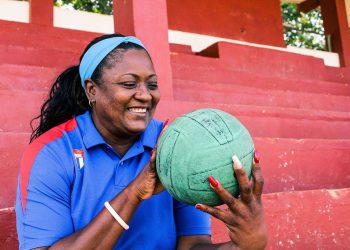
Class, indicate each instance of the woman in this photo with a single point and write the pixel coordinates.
(88, 178)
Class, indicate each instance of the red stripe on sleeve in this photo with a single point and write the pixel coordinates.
(33, 150)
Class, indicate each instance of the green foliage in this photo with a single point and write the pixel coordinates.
(304, 30)
(95, 6)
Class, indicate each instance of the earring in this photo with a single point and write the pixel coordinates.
(91, 103)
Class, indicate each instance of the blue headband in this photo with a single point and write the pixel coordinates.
(99, 51)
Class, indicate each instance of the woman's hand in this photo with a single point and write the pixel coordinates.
(147, 182)
(244, 216)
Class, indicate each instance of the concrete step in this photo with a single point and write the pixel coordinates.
(20, 107)
(295, 220)
(234, 94)
(270, 62)
(12, 146)
(209, 70)
(27, 77)
(274, 122)
(8, 232)
(288, 164)
(47, 57)
(315, 219)
(262, 121)
(44, 37)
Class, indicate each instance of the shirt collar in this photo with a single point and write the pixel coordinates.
(150, 136)
(92, 137)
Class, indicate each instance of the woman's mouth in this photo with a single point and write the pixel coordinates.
(138, 110)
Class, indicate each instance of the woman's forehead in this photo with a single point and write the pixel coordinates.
(133, 61)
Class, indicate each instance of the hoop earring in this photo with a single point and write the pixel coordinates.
(91, 103)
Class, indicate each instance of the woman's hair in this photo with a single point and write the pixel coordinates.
(67, 97)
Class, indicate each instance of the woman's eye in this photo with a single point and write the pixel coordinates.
(152, 85)
(128, 85)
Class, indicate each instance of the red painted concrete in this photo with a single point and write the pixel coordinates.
(41, 12)
(12, 146)
(211, 70)
(295, 220)
(336, 25)
(26, 77)
(304, 164)
(235, 19)
(32, 35)
(265, 61)
(36, 56)
(152, 30)
(308, 5)
(179, 48)
(8, 233)
(235, 94)
(303, 220)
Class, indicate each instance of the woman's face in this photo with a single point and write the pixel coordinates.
(128, 95)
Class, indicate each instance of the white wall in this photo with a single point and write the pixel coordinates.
(80, 20)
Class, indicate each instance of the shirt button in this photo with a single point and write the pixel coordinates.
(121, 163)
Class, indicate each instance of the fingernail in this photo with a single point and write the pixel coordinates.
(213, 182)
(153, 151)
(199, 207)
(165, 123)
(236, 162)
(256, 156)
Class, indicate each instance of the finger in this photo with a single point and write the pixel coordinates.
(224, 195)
(165, 125)
(245, 185)
(154, 151)
(152, 162)
(257, 177)
(213, 211)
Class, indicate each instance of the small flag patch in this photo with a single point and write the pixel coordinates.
(79, 155)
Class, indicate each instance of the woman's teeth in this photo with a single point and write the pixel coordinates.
(138, 110)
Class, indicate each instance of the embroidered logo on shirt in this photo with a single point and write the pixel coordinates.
(79, 155)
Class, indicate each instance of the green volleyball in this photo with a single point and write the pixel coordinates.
(198, 145)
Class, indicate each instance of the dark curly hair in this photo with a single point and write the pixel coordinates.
(67, 97)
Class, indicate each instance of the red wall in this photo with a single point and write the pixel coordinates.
(247, 20)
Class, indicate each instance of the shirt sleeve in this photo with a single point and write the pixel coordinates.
(190, 221)
(43, 210)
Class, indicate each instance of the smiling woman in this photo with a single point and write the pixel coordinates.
(88, 178)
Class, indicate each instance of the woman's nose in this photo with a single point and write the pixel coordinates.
(143, 93)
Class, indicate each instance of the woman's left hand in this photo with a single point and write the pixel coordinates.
(244, 216)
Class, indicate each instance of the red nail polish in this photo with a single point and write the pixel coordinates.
(213, 182)
(199, 207)
(256, 157)
(165, 123)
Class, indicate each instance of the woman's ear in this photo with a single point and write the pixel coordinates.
(90, 89)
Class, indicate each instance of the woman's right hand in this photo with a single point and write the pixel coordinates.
(147, 182)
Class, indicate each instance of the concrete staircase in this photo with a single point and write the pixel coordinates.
(297, 110)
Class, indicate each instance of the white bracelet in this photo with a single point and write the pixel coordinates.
(116, 216)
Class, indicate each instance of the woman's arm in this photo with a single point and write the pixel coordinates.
(104, 231)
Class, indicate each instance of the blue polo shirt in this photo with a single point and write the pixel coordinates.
(70, 171)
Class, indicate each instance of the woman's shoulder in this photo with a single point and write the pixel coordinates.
(52, 146)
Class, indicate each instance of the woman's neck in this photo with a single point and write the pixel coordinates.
(120, 143)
